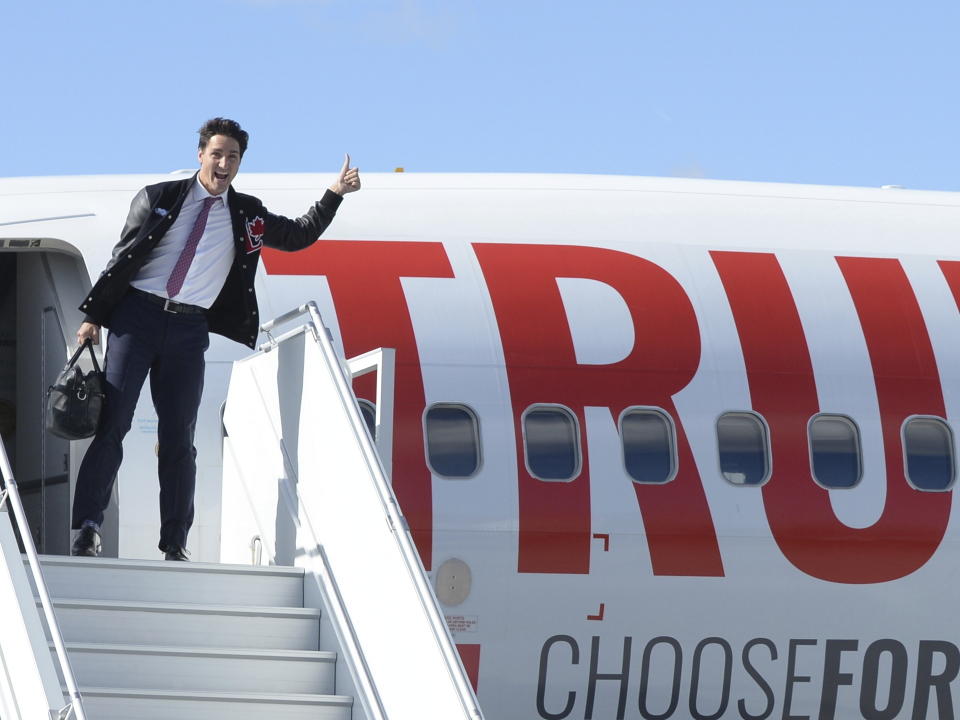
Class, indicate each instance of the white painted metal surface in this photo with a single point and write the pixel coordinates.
(169, 582)
(212, 652)
(188, 624)
(382, 362)
(20, 613)
(299, 448)
(201, 669)
(29, 687)
(122, 704)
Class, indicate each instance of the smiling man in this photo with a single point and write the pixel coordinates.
(184, 267)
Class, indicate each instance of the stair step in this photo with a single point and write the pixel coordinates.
(120, 704)
(206, 626)
(155, 640)
(214, 669)
(180, 582)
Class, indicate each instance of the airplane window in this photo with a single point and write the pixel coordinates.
(453, 441)
(743, 449)
(369, 413)
(551, 443)
(834, 451)
(649, 445)
(928, 448)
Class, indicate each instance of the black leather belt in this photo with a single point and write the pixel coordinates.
(170, 305)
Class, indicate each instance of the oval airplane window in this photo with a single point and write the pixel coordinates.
(649, 445)
(928, 453)
(743, 448)
(834, 451)
(551, 443)
(369, 413)
(452, 435)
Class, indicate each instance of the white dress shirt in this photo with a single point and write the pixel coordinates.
(211, 262)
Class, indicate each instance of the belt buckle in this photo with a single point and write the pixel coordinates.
(166, 306)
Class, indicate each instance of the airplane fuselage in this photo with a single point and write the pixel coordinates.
(667, 448)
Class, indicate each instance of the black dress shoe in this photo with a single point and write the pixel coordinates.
(175, 552)
(87, 543)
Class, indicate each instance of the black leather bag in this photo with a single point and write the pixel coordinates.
(75, 400)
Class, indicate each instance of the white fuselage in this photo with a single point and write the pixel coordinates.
(597, 302)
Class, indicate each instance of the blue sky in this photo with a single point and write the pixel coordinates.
(846, 92)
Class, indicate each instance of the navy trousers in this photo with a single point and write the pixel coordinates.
(145, 339)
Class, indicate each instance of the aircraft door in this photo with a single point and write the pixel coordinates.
(39, 293)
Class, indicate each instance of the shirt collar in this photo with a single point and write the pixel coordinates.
(198, 193)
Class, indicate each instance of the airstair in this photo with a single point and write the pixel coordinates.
(342, 624)
(151, 639)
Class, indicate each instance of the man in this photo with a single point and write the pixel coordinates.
(184, 266)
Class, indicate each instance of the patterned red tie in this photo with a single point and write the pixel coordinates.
(179, 274)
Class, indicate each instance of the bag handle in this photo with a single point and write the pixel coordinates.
(88, 344)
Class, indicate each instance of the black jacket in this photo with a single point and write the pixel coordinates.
(234, 313)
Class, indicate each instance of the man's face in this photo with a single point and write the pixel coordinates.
(219, 163)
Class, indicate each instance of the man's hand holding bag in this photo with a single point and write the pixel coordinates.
(75, 399)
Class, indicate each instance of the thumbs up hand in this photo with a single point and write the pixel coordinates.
(349, 179)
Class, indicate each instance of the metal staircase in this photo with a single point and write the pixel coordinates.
(159, 640)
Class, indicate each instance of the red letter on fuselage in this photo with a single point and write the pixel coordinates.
(372, 314)
(783, 390)
(542, 368)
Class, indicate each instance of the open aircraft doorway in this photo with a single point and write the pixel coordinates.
(42, 281)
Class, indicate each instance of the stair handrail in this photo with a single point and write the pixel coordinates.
(11, 495)
(369, 695)
(395, 518)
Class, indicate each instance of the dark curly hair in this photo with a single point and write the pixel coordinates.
(223, 126)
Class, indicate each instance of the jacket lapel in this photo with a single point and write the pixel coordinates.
(170, 202)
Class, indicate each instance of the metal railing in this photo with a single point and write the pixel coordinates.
(391, 510)
(369, 695)
(316, 325)
(11, 495)
(399, 525)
